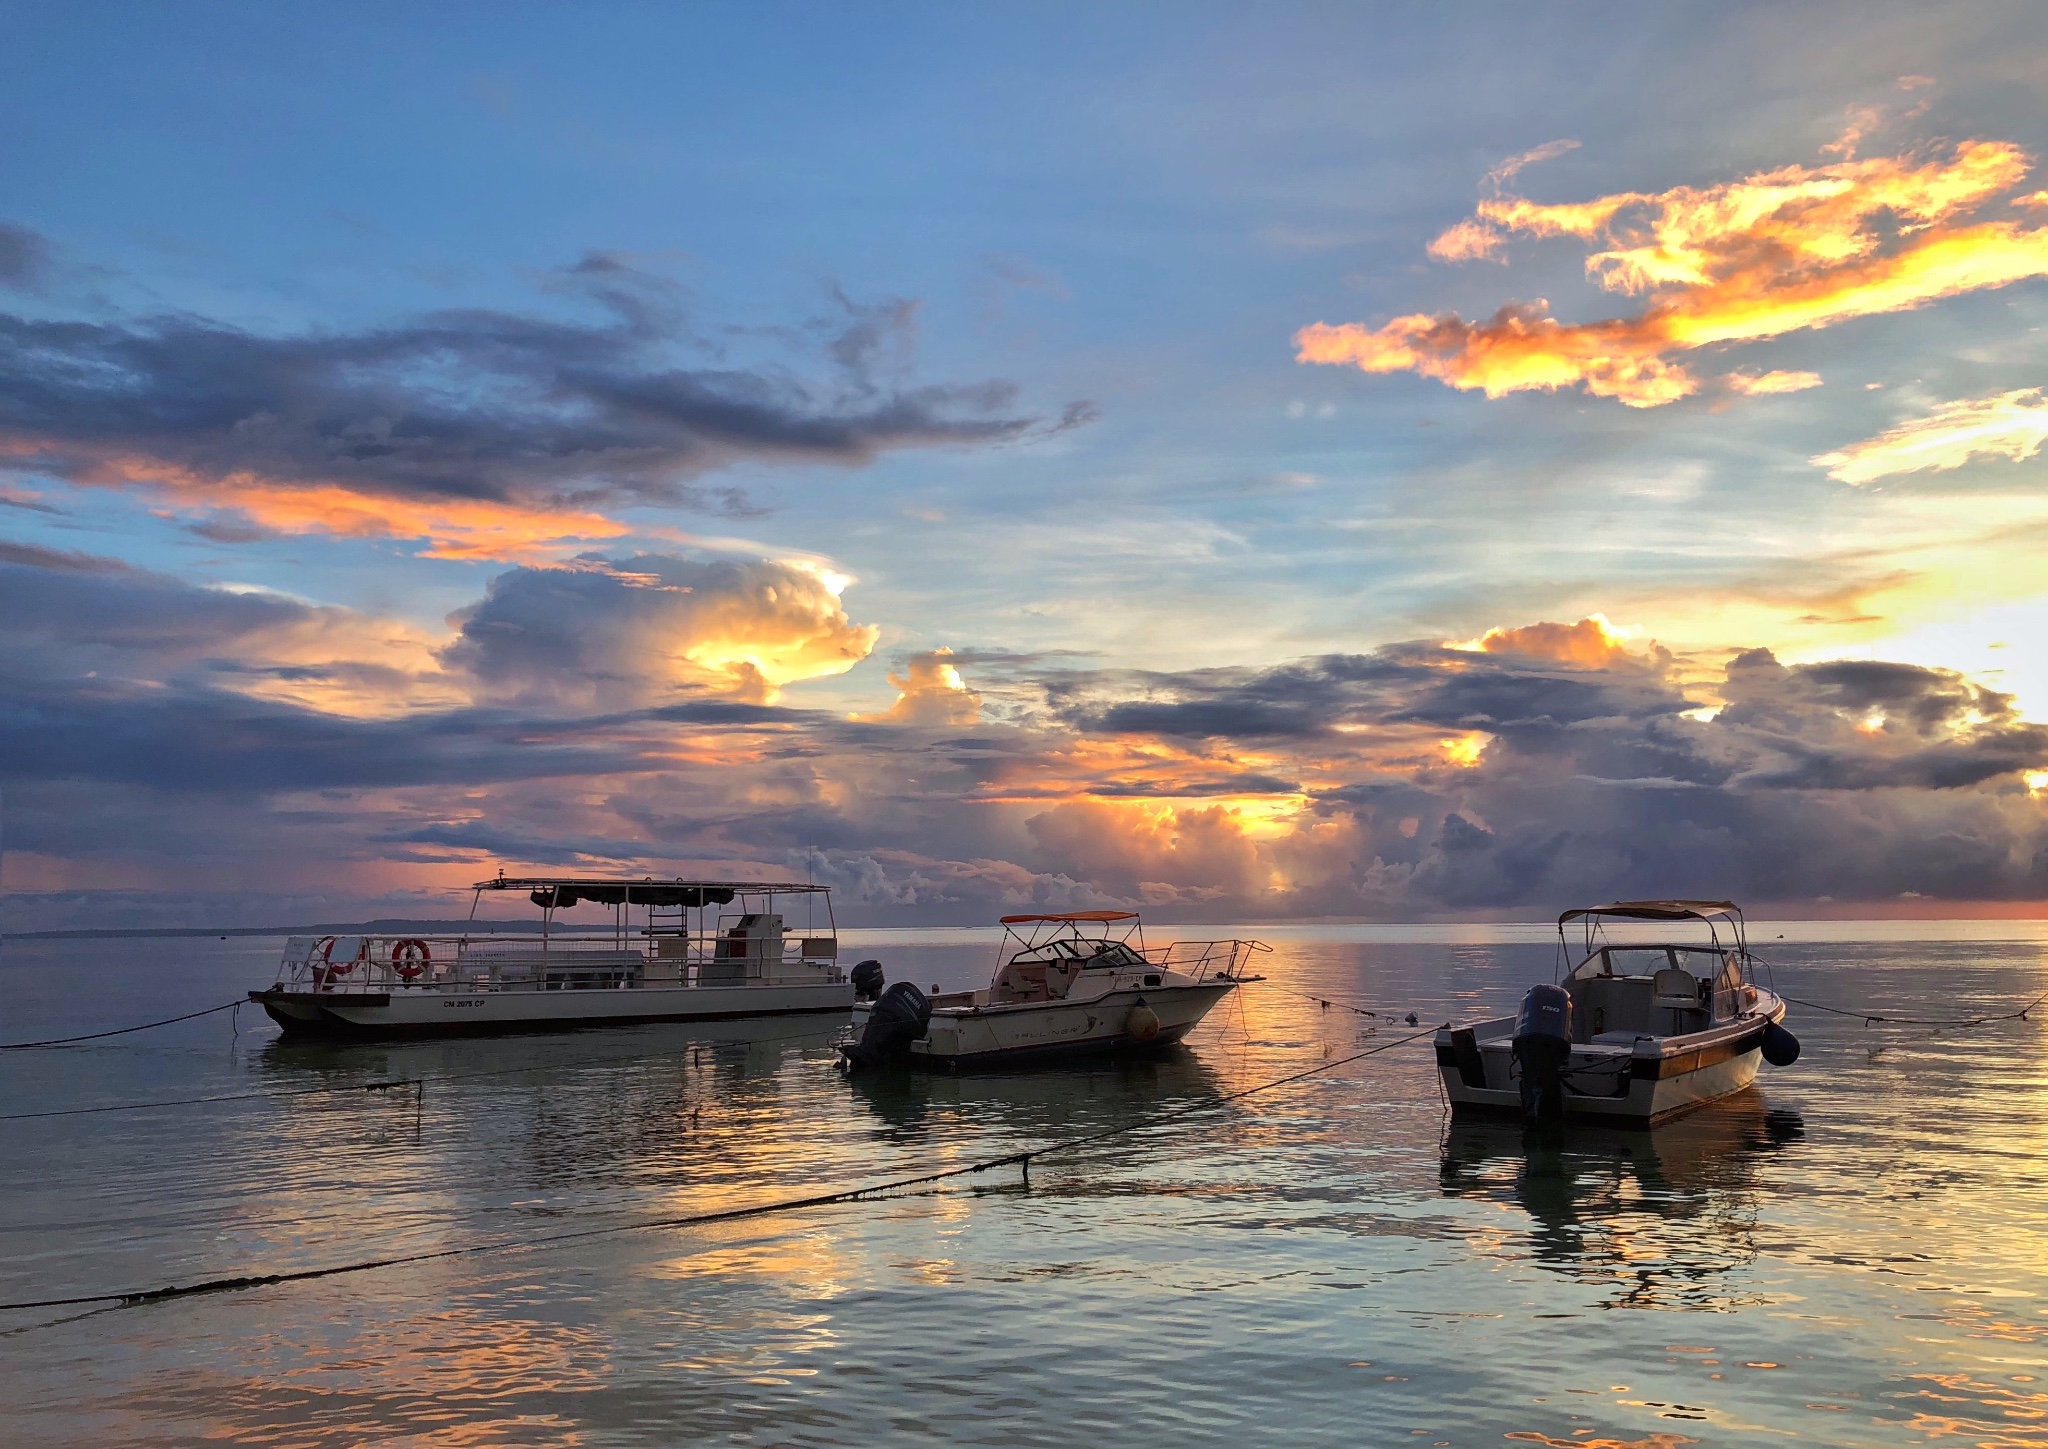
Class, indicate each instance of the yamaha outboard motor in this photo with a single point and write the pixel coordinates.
(1543, 1049)
(867, 981)
(894, 1022)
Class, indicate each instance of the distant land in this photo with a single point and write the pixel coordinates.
(384, 927)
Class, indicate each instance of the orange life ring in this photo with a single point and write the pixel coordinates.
(334, 968)
(410, 957)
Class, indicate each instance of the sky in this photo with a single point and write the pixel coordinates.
(1236, 461)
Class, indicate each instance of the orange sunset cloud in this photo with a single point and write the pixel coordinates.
(1781, 251)
(479, 529)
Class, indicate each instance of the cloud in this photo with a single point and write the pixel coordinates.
(615, 712)
(1502, 174)
(931, 693)
(617, 633)
(1798, 248)
(24, 257)
(1468, 241)
(1591, 643)
(2010, 425)
(480, 433)
(1751, 384)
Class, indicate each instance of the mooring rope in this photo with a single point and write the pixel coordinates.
(1868, 1017)
(18, 1046)
(1326, 1002)
(1022, 1159)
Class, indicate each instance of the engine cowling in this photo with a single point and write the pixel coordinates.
(1543, 1051)
(898, 1018)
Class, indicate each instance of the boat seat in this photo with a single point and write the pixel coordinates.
(1676, 990)
(1606, 1004)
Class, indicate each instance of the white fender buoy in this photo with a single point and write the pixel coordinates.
(1142, 1025)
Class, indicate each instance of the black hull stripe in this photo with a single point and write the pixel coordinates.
(332, 1027)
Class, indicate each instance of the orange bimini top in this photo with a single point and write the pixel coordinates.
(1072, 916)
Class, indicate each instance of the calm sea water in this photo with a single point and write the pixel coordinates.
(1856, 1253)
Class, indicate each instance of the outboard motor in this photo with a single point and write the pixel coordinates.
(867, 981)
(1781, 1048)
(1543, 1049)
(896, 1020)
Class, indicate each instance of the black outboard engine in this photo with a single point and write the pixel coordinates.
(867, 981)
(1543, 1049)
(894, 1022)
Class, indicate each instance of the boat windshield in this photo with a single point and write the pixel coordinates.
(1088, 953)
(1706, 963)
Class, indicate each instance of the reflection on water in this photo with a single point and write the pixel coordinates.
(1659, 1218)
(1856, 1252)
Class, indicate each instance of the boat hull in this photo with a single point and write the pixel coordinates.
(438, 1013)
(961, 1040)
(1663, 1079)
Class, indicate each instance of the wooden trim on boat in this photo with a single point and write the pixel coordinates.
(1678, 1064)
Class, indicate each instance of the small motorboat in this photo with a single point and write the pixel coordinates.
(1635, 1034)
(1068, 983)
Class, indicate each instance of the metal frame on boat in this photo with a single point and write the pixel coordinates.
(702, 950)
(1066, 983)
(1636, 1033)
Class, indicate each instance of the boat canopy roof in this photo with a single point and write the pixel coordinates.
(1655, 911)
(561, 892)
(1066, 917)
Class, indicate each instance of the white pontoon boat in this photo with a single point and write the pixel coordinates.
(1636, 1034)
(1075, 982)
(702, 951)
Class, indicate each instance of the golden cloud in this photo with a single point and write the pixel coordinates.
(1467, 241)
(477, 529)
(1591, 643)
(931, 692)
(2011, 425)
(1793, 249)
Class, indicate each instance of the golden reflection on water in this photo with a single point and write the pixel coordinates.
(437, 1377)
(1871, 1270)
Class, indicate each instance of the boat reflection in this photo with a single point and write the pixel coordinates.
(1662, 1216)
(1032, 1105)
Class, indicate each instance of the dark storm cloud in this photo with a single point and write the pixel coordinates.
(460, 405)
(1402, 684)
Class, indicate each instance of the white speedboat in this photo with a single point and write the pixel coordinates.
(1637, 1033)
(1069, 983)
(702, 951)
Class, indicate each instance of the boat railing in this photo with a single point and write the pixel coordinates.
(555, 962)
(1203, 959)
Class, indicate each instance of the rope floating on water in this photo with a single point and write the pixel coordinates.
(1326, 1002)
(1869, 1017)
(19, 1046)
(1022, 1160)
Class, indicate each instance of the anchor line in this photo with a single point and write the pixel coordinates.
(20, 1046)
(1020, 1159)
(1326, 1002)
(1867, 1017)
